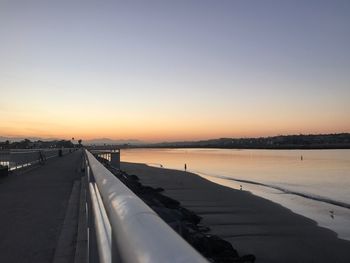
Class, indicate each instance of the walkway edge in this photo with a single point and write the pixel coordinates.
(81, 245)
(65, 249)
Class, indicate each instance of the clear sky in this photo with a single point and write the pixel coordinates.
(174, 70)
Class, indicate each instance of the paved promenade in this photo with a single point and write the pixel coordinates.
(33, 207)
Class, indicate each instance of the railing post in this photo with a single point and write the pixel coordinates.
(115, 159)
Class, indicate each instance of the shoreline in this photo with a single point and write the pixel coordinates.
(252, 224)
(296, 147)
(334, 215)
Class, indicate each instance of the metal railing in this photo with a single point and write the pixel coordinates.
(112, 156)
(126, 229)
(15, 159)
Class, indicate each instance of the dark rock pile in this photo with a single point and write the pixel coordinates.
(185, 222)
(3, 170)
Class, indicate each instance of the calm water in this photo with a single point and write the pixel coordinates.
(314, 183)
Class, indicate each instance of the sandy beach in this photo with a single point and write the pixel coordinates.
(253, 225)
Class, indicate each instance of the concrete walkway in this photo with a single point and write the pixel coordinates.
(33, 208)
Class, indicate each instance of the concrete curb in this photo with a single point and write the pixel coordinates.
(65, 249)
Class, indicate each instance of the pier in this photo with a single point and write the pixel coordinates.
(72, 209)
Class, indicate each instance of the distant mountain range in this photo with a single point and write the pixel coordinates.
(107, 141)
(98, 141)
(311, 141)
(20, 138)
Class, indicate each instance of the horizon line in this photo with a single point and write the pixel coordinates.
(38, 138)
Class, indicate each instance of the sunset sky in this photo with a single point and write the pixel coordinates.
(174, 70)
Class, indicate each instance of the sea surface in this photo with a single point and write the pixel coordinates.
(313, 183)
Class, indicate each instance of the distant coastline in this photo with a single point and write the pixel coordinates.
(282, 142)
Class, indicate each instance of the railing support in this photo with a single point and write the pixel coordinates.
(139, 235)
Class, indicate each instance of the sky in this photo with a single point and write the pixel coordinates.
(174, 70)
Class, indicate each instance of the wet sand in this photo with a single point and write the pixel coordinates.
(253, 225)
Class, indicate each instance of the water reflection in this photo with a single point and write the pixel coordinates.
(321, 174)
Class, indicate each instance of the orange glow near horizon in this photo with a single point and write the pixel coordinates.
(157, 130)
(160, 121)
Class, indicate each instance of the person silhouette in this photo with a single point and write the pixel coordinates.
(185, 167)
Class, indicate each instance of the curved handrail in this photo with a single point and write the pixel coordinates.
(140, 235)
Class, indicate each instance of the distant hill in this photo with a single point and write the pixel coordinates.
(11, 143)
(18, 139)
(311, 141)
(107, 141)
(301, 141)
(98, 141)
